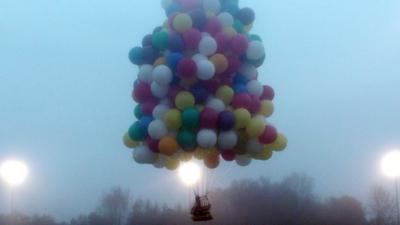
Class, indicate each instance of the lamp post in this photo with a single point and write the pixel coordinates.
(13, 173)
(390, 166)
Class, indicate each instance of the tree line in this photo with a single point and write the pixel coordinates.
(291, 201)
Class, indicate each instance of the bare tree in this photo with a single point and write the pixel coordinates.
(382, 207)
(115, 205)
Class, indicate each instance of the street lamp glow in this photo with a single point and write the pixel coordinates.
(390, 164)
(190, 173)
(14, 172)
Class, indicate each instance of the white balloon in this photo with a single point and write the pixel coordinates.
(255, 51)
(216, 104)
(243, 160)
(158, 90)
(157, 129)
(160, 161)
(198, 57)
(208, 46)
(226, 19)
(159, 111)
(249, 71)
(212, 5)
(254, 146)
(162, 75)
(255, 88)
(143, 155)
(227, 140)
(145, 73)
(205, 69)
(206, 138)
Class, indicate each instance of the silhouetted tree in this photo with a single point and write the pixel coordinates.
(343, 211)
(114, 206)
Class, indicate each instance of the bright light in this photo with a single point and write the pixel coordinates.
(190, 173)
(390, 164)
(14, 172)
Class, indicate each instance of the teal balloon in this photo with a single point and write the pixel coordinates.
(187, 139)
(136, 55)
(255, 37)
(160, 40)
(239, 27)
(191, 118)
(138, 111)
(136, 133)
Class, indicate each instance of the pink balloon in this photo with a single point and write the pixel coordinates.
(213, 25)
(187, 68)
(228, 155)
(192, 38)
(269, 136)
(208, 118)
(234, 65)
(255, 104)
(242, 100)
(189, 4)
(142, 93)
(268, 93)
(239, 44)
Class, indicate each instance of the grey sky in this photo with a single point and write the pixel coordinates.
(65, 84)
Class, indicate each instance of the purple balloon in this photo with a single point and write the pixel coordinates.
(200, 93)
(147, 40)
(199, 18)
(175, 43)
(246, 16)
(226, 120)
(213, 25)
(192, 38)
(150, 55)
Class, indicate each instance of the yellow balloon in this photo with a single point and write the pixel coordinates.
(225, 93)
(172, 119)
(172, 164)
(182, 22)
(210, 14)
(264, 155)
(129, 142)
(160, 61)
(184, 100)
(229, 31)
(242, 117)
(199, 154)
(255, 127)
(280, 143)
(186, 156)
(267, 108)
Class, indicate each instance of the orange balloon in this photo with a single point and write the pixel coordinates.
(220, 62)
(160, 61)
(211, 161)
(168, 146)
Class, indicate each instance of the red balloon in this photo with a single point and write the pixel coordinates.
(189, 4)
(228, 155)
(153, 144)
(268, 93)
(212, 85)
(242, 100)
(269, 136)
(148, 107)
(208, 118)
(222, 41)
(239, 44)
(142, 93)
(187, 68)
(213, 25)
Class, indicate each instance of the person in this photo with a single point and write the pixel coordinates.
(201, 209)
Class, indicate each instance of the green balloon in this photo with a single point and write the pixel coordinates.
(187, 139)
(191, 118)
(138, 111)
(160, 40)
(136, 133)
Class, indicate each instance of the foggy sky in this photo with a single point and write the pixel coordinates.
(65, 96)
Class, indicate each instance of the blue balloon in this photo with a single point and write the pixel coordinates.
(199, 18)
(150, 55)
(240, 88)
(144, 123)
(173, 8)
(240, 79)
(176, 43)
(173, 60)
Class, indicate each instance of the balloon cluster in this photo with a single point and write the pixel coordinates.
(197, 89)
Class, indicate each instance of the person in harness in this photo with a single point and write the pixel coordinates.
(201, 209)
